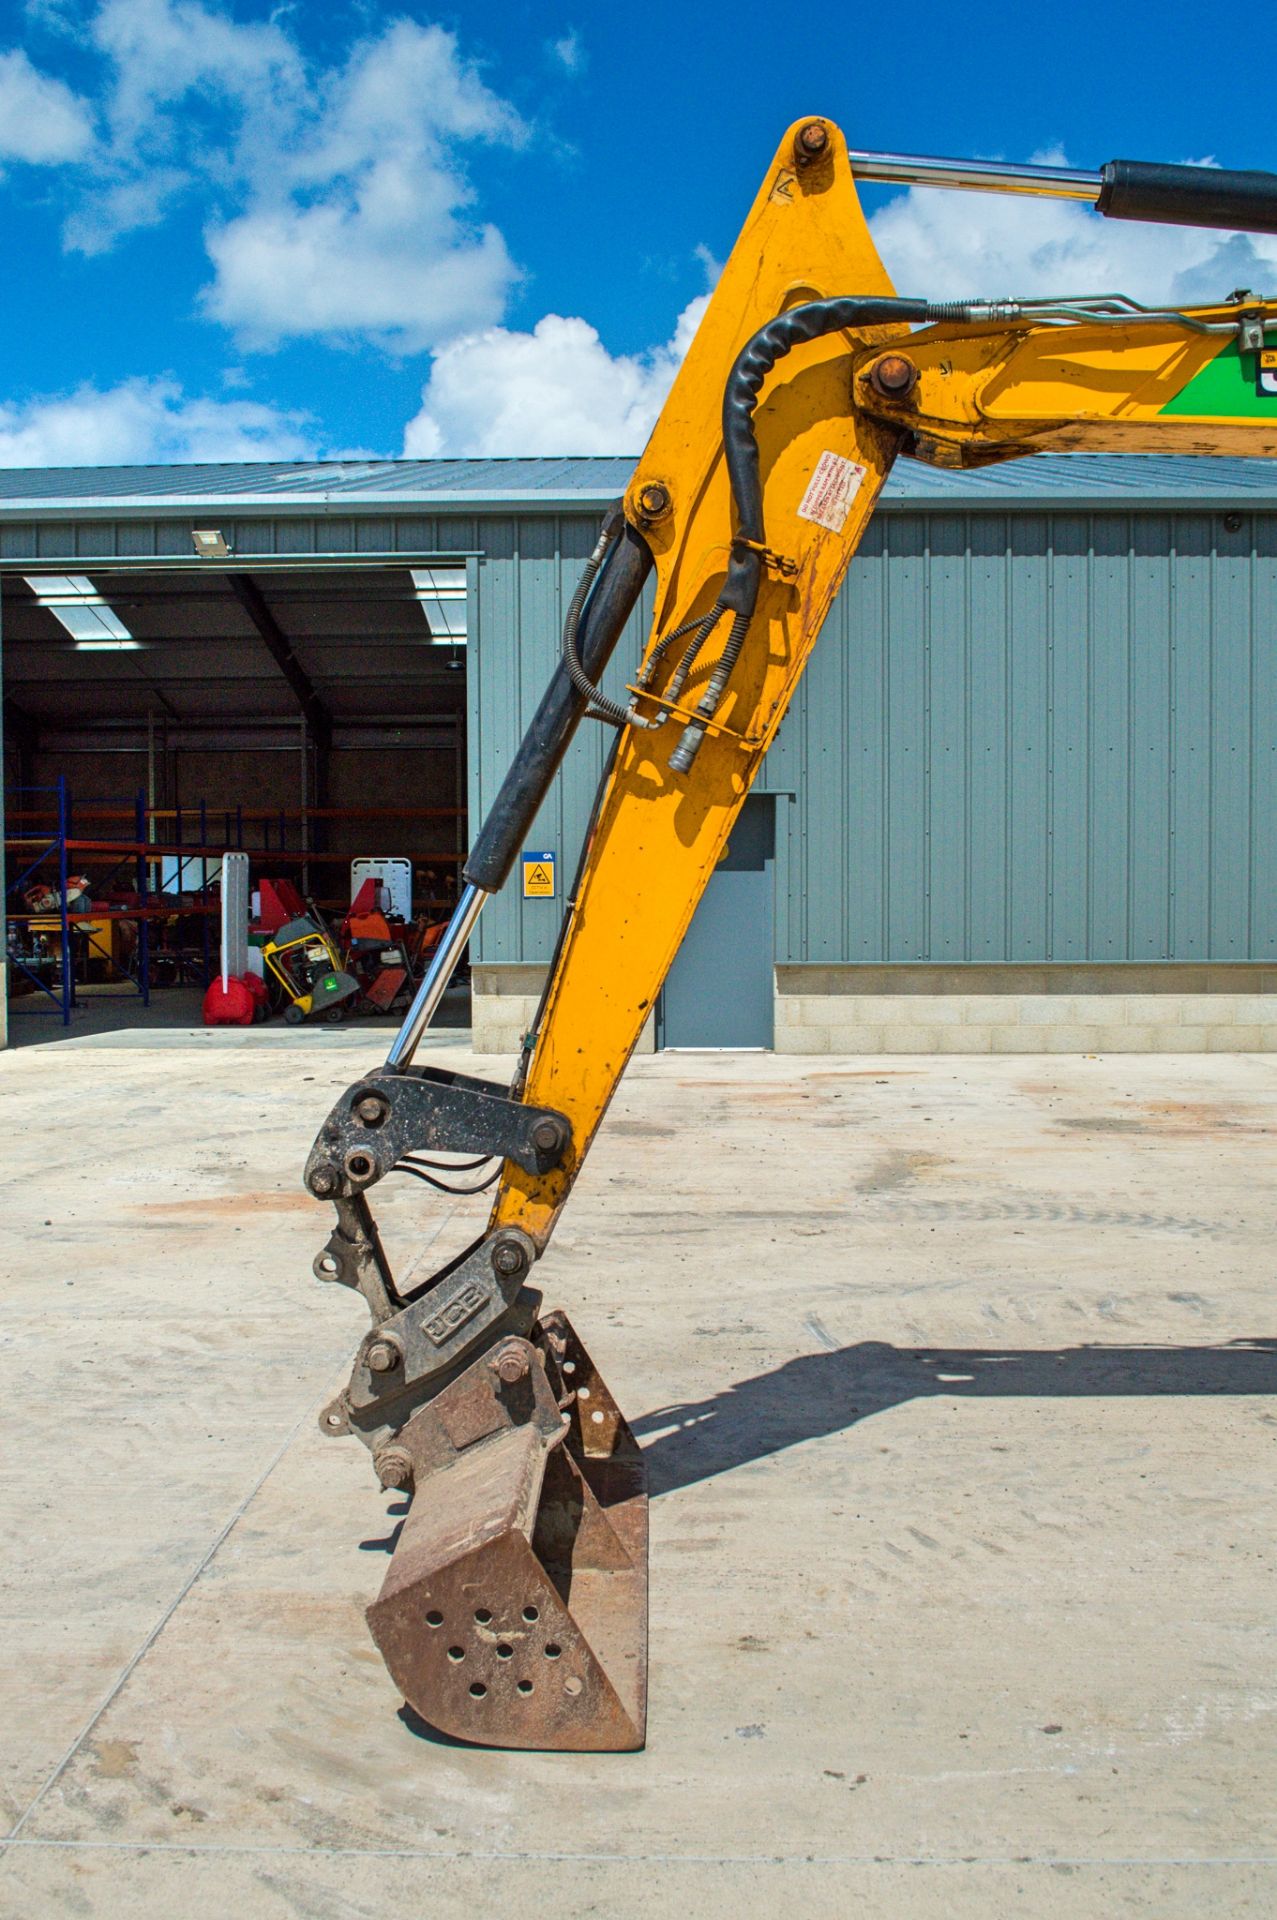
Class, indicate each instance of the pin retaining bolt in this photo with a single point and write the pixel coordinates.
(511, 1365)
(393, 1467)
(811, 143)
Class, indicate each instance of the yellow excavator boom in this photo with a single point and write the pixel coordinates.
(514, 1609)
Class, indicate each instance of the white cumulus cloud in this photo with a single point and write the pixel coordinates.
(160, 52)
(554, 390)
(361, 227)
(331, 271)
(332, 196)
(144, 421)
(41, 120)
(185, 93)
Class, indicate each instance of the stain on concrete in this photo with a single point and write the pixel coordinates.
(897, 1167)
(819, 1331)
(1198, 1119)
(218, 1206)
(114, 1759)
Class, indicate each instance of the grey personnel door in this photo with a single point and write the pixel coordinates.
(719, 992)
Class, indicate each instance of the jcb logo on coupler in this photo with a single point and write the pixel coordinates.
(471, 1299)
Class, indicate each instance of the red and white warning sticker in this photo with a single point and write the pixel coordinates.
(831, 491)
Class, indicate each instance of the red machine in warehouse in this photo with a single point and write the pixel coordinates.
(381, 949)
(374, 960)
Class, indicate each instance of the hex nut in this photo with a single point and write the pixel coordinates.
(372, 1110)
(508, 1258)
(384, 1355)
(654, 501)
(546, 1135)
(323, 1181)
(511, 1365)
(393, 1467)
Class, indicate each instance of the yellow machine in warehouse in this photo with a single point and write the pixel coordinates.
(513, 1612)
(302, 962)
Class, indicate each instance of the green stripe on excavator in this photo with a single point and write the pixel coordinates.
(1225, 388)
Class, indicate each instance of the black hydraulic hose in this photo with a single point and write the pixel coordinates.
(740, 397)
(753, 363)
(599, 705)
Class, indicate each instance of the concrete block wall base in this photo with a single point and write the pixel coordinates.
(503, 1005)
(1162, 1008)
(1007, 1009)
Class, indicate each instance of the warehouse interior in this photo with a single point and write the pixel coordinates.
(310, 715)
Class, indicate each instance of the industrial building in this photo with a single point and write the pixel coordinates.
(1022, 802)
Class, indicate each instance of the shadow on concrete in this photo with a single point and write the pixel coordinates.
(389, 1541)
(822, 1393)
(420, 1729)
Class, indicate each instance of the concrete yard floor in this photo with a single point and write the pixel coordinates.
(958, 1382)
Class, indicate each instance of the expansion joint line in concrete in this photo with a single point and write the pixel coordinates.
(14, 1835)
(547, 1857)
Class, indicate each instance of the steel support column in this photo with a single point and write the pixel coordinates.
(315, 714)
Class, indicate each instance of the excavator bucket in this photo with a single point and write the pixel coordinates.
(514, 1610)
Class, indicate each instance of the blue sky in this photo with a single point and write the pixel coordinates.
(235, 229)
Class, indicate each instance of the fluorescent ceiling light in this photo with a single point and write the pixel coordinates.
(441, 592)
(209, 543)
(76, 604)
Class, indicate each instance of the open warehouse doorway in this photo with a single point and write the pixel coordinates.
(159, 715)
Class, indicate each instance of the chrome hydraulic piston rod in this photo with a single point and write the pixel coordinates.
(1122, 189)
(434, 985)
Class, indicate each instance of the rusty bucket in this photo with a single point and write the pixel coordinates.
(514, 1610)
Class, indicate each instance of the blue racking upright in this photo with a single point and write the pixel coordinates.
(36, 850)
(53, 839)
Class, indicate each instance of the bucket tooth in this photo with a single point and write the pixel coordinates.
(514, 1609)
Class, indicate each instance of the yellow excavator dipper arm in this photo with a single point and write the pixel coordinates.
(514, 1609)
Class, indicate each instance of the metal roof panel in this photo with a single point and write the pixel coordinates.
(566, 482)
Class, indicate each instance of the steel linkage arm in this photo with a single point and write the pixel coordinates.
(992, 380)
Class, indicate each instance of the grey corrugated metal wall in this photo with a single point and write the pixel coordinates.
(1023, 737)
(530, 566)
